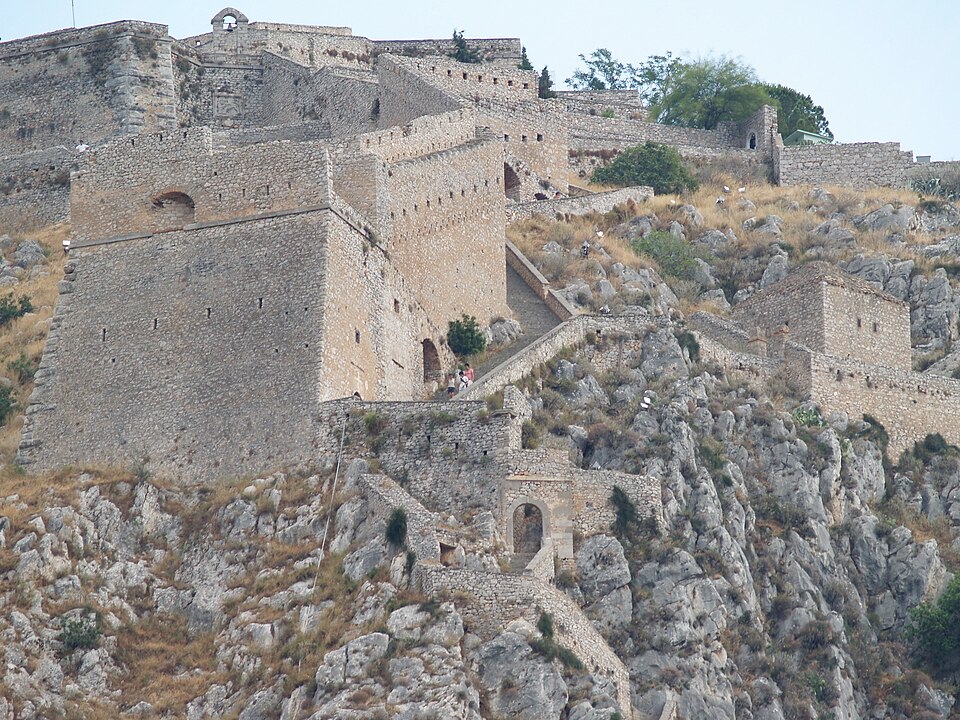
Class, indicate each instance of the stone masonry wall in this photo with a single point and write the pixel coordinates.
(117, 189)
(35, 189)
(859, 165)
(502, 52)
(489, 601)
(910, 405)
(441, 452)
(84, 85)
(622, 103)
(794, 302)
(596, 202)
(538, 283)
(385, 496)
(161, 349)
(867, 327)
(474, 81)
(405, 96)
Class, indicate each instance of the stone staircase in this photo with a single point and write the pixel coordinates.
(519, 562)
(530, 311)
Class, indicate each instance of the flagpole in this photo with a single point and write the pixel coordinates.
(73, 13)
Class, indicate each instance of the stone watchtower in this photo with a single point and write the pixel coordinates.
(832, 313)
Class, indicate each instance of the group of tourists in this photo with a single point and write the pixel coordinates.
(460, 380)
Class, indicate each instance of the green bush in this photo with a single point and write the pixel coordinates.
(23, 367)
(11, 309)
(396, 532)
(688, 342)
(935, 628)
(374, 422)
(651, 164)
(8, 403)
(674, 255)
(627, 519)
(79, 635)
(465, 336)
(530, 436)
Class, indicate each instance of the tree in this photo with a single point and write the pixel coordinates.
(603, 72)
(545, 84)
(935, 627)
(524, 63)
(653, 75)
(708, 91)
(463, 53)
(651, 164)
(797, 112)
(465, 336)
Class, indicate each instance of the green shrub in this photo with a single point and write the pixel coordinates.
(23, 367)
(11, 309)
(374, 422)
(396, 532)
(607, 113)
(651, 164)
(465, 336)
(688, 342)
(8, 403)
(530, 436)
(626, 512)
(545, 625)
(79, 635)
(935, 628)
(674, 255)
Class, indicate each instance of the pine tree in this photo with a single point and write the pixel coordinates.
(524, 63)
(545, 85)
(462, 52)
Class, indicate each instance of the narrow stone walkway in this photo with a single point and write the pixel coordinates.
(530, 311)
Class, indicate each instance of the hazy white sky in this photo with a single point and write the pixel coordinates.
(883, 70)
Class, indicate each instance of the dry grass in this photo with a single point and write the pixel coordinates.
(163, 665)
(27, 334)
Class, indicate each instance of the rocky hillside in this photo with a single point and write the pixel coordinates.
(780, 584)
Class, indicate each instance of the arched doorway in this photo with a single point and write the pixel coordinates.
(175, 209)
(527, 529)
(432, 371)
(753, 141)
(511, 183)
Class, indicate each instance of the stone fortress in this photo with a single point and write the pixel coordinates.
(269, 218)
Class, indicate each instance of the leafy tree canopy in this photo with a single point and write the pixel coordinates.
(708, 91)
(796, 111)
(603, 72)
(935, 627)
(653, 164)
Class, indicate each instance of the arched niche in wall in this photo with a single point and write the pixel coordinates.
(432, 369)
(173, 210)
(511, 183)
(752, 142)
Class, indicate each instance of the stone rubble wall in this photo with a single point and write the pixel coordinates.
(116, 189)
(85, 85)
(571, 333)
(473, 81)
(385, 496)
(600, 202)
(859, 165)
(502, 52)
(543, 565)
(622, 103)
(404, 96)
(35, 189)
(444, 452)
(489, 601)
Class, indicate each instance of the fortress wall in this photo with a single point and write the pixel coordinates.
(404, 95)
(622, 103)
(762, 125)
(798, 303)
(192, 102)
(502, 52)
(300, 132)
(115, 190)
(596, 202)
(474, 81)
(288, 94)
(866, 327)
(441, 452)
(859, 165)
(910, 405)
(533, 131)
(588, 132)
(201, 360)
(360, 178)
(490, 601)
(85, 85)
(385, 496)
(35, 189)
(373, 327)
(350, 104)
(446, 210)
(232, 94)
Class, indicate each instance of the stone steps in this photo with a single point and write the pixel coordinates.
(519, 562)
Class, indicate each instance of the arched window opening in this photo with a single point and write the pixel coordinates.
(432, 370)
(229, 23)
(175, 209)
(753, 141)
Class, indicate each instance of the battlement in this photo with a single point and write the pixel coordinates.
(471, 80)
(75, 37)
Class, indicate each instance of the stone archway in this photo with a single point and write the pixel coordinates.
(527, 523)
(753, 141)
(432, 369)
(528, 526)
(174, 210)
(511, 183)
